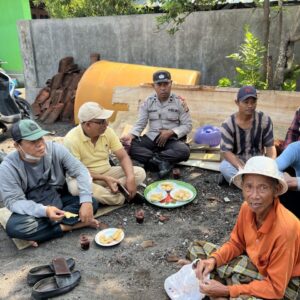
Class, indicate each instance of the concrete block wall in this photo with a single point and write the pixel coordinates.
(202, 43)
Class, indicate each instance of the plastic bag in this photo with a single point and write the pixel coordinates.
(183, 285)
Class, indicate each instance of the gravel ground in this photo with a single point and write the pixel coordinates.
(128, 270)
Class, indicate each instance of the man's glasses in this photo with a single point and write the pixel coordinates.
(100, 121)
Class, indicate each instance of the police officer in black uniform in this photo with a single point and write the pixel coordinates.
(169, 123)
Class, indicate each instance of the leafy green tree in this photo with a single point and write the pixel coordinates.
(86, 8)
(249, 59)
(176, 11)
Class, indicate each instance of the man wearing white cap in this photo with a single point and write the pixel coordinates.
(265, 231)
(91, 142)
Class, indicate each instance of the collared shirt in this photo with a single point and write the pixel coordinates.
(246, 143)
(169, 114)
(274, 249)
(94, 157)
(293, 133)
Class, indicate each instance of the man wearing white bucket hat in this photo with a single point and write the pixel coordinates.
(265, 231)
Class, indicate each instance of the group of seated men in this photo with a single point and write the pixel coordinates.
(40, 181)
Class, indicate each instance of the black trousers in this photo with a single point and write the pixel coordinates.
(142, 149)
(30, 228)
(291, 200)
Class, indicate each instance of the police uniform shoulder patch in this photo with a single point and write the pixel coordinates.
(184, 104)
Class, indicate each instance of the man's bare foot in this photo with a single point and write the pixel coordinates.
(33, 244)
(183, 262)
(103, 225)
(94, 224)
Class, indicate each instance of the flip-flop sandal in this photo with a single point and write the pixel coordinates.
(37, 273)
(55, 285)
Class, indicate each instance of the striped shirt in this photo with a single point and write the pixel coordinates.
(246, 143)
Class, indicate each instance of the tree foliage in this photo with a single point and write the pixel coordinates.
(249, 59)
(176, 11)
(86, 8)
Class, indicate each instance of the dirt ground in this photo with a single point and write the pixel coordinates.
(127, 270)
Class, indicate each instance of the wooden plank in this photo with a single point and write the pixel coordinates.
(206, 156)
(212, 105)
(208, 165)
(203, 147)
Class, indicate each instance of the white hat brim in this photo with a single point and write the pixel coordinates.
(238, 179)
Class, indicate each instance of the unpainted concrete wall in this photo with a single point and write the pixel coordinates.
(202, 43)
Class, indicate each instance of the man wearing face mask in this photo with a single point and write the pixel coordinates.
(33, 187)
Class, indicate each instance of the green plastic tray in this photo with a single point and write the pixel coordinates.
(179, 184)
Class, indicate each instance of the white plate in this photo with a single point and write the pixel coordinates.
(108, 232)
(187, 191)
(157, 191)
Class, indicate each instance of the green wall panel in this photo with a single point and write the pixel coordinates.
(12, 11)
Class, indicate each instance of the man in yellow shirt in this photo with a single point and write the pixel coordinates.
(91, 142)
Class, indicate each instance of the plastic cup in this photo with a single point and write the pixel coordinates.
(139, 215)
(84, 242)
(176, 173)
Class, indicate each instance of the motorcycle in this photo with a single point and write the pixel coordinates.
(12, 107)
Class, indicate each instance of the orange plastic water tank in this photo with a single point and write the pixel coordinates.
(99, 80)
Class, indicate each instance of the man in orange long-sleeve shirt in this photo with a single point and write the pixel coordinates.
(266, 231)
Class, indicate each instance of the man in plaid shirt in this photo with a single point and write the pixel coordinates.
(293, 133)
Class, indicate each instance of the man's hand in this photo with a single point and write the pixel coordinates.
(204, 267)
(213, 288)
(131, 187)
(164, 135)
(241, 165)
(127, 139)
(112, 183)
(54, 213)
(291, 181)
(86, 212)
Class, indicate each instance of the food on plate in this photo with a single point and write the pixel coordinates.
(155, 197)
(117, 234)
(107, 239)
(70, 215)
(181, 195)
(167, 186)
(103, 239)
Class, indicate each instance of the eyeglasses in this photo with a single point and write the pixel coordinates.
(100, 121)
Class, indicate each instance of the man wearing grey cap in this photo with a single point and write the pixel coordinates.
(91, 142)
(245, 134)
(169, 123)
(33, 187)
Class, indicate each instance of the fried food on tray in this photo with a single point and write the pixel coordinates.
(70, 215)
(155, 197)
(181, 195)
(167, 186)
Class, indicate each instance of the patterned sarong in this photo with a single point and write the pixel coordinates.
(238, 271)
